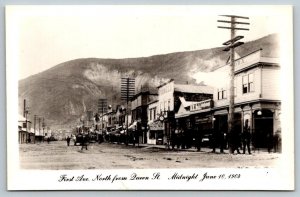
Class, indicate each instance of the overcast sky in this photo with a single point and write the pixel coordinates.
(42, 37)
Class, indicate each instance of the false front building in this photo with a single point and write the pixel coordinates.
(169, 102)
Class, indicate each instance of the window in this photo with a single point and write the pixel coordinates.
(222, 94)
(169, 103)
(251, 84)
(248, 85)
(152, 134)
(154, 114)
(150, 114)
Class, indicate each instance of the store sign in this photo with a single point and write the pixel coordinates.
(202, 120)
(202, 105)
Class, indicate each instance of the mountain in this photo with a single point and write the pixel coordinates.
(65, 92)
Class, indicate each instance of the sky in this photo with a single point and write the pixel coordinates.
(40, 37)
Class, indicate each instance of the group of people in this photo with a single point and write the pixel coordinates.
(236, 139)
(181, 139)
(84, 141)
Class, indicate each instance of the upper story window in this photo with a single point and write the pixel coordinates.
(248, 85)
(150, 114)
(222, 94)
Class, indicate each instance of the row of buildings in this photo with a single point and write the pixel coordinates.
(193, 110)
(30, 133)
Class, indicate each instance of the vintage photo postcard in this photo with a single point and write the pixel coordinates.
(150, 97)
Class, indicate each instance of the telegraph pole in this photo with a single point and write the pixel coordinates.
(127, 91)
(25, 114)
(40, 126)
(102, 108)
(231, 45)
(34, 125)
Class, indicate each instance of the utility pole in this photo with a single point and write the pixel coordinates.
(25, 114)
(39, 126)
(34, 126)
(231, 45)
(127, 91)
(102, 108)
(43, 126)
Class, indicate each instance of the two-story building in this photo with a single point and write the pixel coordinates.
(169, 101)
(24, 129)
(155, 126)
(256, 97)
(139, 113)
(195, 116)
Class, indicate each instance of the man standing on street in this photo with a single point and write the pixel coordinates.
(84, 141)
(68, 140)
(246, 137)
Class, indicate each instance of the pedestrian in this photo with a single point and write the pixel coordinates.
(198, 140)
(213, 140)
(84, 142)
(68, 140)
(235, 140)
(246, 138)
(277, 141)
(270, 141)
(48, 140)
(222, 141)
(173, 140)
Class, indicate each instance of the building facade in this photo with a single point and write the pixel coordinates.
(170, 97)
(139, 112)
(155, 126)
(257, 98)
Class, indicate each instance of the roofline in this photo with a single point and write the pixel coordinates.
(165, 83)
(194, 92)
(152, 102)
(145, 93)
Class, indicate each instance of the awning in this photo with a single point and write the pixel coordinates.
(182, 115)
(156, 126)
(132, 126)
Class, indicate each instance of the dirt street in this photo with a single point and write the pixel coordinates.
(58, 156)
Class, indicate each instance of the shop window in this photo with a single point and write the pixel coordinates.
(152, 135)
(248, 84)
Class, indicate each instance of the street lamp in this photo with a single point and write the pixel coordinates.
(259, 113)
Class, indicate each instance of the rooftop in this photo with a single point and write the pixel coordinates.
(187, 88)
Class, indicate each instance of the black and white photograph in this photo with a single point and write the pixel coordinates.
(152, 97)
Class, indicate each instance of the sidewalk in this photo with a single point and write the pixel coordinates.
(203, 149)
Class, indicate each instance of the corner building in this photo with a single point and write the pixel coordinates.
(257, 97)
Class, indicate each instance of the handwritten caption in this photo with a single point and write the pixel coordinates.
(112, 178)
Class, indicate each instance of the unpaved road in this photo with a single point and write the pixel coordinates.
(58, 156)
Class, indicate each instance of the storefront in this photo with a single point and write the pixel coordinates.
(155, 133)
(263, 118)
(194, 120)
